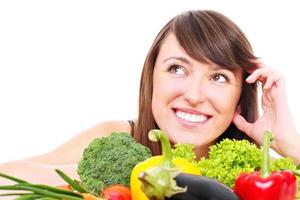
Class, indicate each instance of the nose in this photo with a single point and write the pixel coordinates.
(195, 92)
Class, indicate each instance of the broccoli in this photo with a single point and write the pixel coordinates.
(110, 160)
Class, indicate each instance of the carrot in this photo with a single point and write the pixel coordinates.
(87, 196)
(64, 187)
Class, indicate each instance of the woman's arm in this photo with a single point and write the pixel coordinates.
(276, 115)
(40, 169)
(36, 172)
(71, 151)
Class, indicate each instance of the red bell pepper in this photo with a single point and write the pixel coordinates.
(266, 185)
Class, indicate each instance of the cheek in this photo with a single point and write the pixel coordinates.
(164, 89)
(158, 92)
(159, 96)
(164, 93)
(225, 100)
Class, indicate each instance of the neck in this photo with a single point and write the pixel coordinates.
(202, 151)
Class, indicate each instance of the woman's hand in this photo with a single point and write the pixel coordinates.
(276, 115)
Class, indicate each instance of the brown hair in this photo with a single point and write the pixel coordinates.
(204, 35)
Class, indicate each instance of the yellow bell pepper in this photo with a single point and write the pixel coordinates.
(165, 161)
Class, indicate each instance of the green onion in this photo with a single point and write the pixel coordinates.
(12, 178)
(42, 190)
(72, 183)
(29, 196)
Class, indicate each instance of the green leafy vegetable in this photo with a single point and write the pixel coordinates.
(283, 163)
(110, 160)
(184, 151)
(228, 159)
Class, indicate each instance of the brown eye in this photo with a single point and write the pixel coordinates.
(220, 78)
(176, 69)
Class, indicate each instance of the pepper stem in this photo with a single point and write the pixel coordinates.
(157, 182)
(157, 135)
(265, 164)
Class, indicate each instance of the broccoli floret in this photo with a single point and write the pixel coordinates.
(110, 160)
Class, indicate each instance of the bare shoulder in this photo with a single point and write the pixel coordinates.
(107, 127)
(71, 151)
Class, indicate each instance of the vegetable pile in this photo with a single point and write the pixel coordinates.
(229, 158)
(116, 167)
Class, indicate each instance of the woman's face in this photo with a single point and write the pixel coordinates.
(193, 102)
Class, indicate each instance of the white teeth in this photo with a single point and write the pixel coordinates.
(191, 117)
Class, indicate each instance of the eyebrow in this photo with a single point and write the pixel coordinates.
(214, 67)
(185, 60)
(182, 59)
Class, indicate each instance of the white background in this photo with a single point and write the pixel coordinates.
(68, 65)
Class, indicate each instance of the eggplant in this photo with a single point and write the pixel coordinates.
(202, 188)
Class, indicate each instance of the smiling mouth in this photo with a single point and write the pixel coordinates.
(191, 117)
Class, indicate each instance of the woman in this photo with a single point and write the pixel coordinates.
(199, 85)
(211, 42)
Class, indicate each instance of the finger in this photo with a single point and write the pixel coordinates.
(242, 124)
(271, 80)
(258, 74)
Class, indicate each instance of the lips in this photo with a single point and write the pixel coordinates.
(192, 116)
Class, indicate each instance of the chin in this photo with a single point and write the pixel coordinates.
(196, 139)
(187, 140)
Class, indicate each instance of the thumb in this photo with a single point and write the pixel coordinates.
(242, 124)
